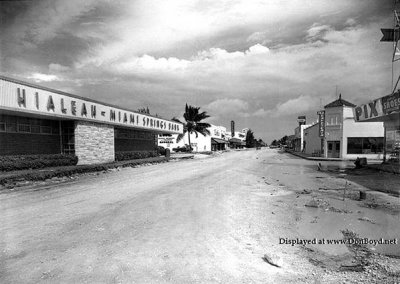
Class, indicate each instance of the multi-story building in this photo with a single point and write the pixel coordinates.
(344, 137)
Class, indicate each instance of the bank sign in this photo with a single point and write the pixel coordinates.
(378, 108)
(25, 98)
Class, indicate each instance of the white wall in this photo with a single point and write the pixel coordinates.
(199, 144)
(312, 139)
(340, 125)
(359, 129)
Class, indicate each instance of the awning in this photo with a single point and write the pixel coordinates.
(218, 141)
(235, 140)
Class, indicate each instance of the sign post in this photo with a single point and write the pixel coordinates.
(321, 119)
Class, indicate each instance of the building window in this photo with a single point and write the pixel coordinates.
(68, 137)
(364, 145)
(45, 129)
(35, 129)
(24, 128)
(11, 127)
(2, 127)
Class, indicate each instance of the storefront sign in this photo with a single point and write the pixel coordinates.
(166, 140)
(301, 119)
(321, 118)
(391, 103)
(24, 98)
(369, 111)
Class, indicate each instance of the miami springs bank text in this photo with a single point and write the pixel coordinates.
(347, 241)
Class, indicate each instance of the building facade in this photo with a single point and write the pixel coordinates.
(347, 139)
(312, 142)
(385, 110)
(39, 120)
(298, 140)
(216, 141)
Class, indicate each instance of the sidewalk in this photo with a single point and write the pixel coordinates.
(181, 156)
(372, 164)
(309, 157)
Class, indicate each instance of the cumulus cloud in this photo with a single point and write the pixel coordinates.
(150, 63)
(55, 67)
(228, 107)
(257, 49)
(295, 106)
(316, 31)
(350, 22)
(45, 19)
(39, 77)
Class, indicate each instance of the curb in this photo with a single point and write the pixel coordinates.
(317, 158)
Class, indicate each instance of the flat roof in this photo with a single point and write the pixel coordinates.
(75, 96)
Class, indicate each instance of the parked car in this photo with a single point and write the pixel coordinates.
(184, 149)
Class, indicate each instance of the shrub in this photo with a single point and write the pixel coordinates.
(123, 156)
(161, 150)
(11, 179)
(13, 163)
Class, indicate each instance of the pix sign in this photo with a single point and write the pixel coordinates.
(369, 110)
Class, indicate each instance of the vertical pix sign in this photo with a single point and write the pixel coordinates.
(321, 118)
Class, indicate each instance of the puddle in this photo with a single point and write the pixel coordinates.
(326, 224)
(272, 193)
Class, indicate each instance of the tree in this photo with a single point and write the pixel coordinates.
(260, 143)
(193, 124)
(250, 140)
(144, 110)
(283, 140)
(274, 143)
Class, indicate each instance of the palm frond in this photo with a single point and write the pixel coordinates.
(176, 120)
(201, 116)
(180, 136)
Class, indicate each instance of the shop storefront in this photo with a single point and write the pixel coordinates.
(236, 143)
(387, 110)
(345, 138)
(39, 120)
(338, 135)
(218, 144)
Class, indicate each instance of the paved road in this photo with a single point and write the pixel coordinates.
(193, 221)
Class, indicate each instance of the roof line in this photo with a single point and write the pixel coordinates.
(74, 96)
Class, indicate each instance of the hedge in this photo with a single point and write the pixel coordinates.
(124, 156)
(14, 163)
(12, 178)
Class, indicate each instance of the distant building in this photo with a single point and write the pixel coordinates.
(216, 141)
(312, 140)
(298, 140)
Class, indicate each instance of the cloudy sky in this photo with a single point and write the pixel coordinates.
(260, 63)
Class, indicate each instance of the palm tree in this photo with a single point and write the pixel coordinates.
(193, 123)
